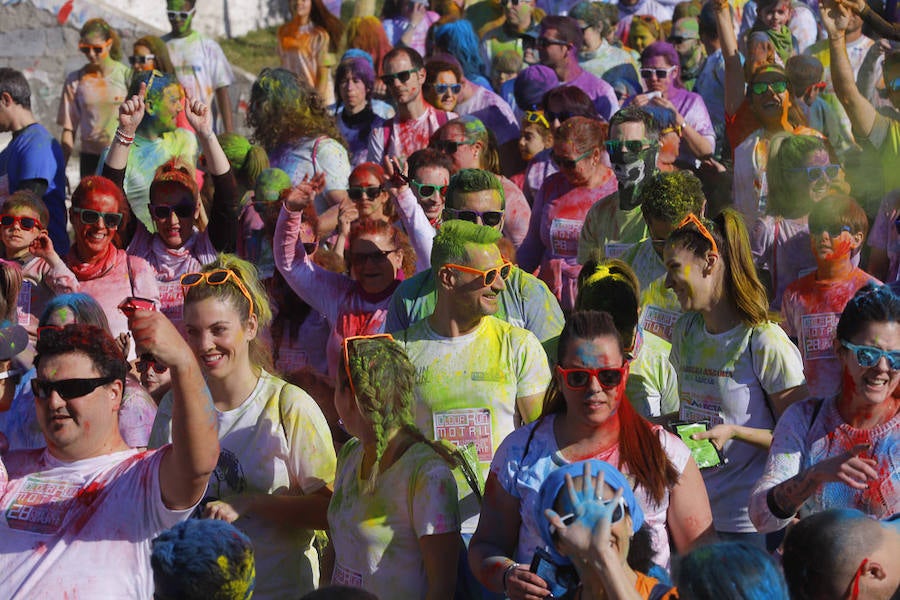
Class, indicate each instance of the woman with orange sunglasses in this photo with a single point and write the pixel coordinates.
(276, 463)
(92, 94)
(737, 369)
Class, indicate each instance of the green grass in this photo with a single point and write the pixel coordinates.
(252, 52)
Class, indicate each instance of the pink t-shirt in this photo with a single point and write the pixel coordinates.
(112, 287)
(517, 213)
(393, 137)
(552, 241)
(348, 309)
(493, 111)
(40, 282)
(811, 310)
(81, 529)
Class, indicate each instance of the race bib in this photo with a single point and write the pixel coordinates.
(564, 235)
(817, 335)
(344, 576)
(171, 299)
(466, 426)
(41, 505)
(659, 321)
(704, 408)
(617, 249)
(23, 304)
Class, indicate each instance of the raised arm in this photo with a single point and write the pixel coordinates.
(734, 71)
(416, 224)
(861, 112)
(223, 215)
(188, 463)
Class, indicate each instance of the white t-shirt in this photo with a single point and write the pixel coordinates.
(276, 442)
(722, 380)
(81, 529)
(376, 535)
(200, 64)
(466, 388)
(521, 474)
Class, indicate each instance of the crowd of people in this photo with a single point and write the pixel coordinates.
(511, 298)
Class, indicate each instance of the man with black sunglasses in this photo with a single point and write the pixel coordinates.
(525, 301)
(87, 501)
(416, 120)
(559, 43)
(33, 160)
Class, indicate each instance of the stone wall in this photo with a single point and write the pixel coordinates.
(33, 41)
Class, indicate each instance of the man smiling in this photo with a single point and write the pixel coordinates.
(477, 377)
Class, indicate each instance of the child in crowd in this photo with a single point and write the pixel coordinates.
(534, 139)
(813, 304)
(23, 232)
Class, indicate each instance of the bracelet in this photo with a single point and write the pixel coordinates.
(509, 569)
(123, 138)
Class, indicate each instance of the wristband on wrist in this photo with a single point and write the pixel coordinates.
(123, 138)
(509, 569)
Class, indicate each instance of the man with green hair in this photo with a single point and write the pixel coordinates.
(525, 301)
(477, 377)
(665, 200)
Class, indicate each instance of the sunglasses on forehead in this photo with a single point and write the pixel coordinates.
(692, 219)
(533, 116)
(68, 389)
(217, 277)
(26, 223)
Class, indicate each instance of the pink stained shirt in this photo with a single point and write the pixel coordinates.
(349, 310)
(811, 310)
(556, 222)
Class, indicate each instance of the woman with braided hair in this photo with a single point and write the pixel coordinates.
(394, 517)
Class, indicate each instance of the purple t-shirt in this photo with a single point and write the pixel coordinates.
(601, 93)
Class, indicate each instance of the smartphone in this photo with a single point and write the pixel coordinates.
(705, 454)
(560, 578)
(132, 303)
(652, 95)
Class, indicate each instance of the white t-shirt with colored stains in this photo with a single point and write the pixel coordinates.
(276, 442)
(467, 386)
(81, 529)
(720, 379)
(376, 535)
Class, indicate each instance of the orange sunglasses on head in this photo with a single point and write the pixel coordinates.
(701, 229)
(346, 345)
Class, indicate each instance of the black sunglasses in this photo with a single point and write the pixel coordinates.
(358, 259)
(491, 218)
(569, 163)
(163, 211)
(403, 76)
(89, 217)
(68, 389)
(559, 116)
(371, 192)
(448, 147)
(544, 42)
(141, 60)
(26, 223)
